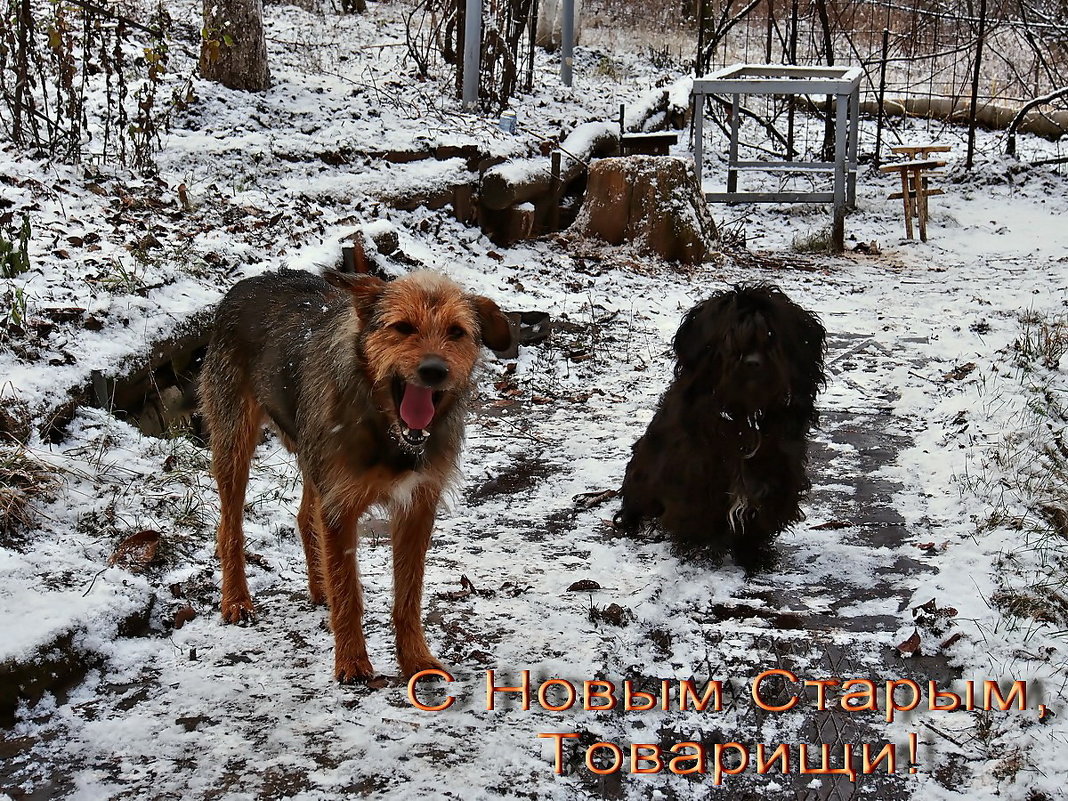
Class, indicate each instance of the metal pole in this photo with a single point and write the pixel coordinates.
(852, 147)
(792, 57)
(567, 40)
(732, 156)
(771, 26)
(880, 113)
(699, 136)
(698, 66)
(975, 84)
(840, 134)
(472, 51)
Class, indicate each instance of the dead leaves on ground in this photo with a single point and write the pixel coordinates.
(137, 551)
(934, 620)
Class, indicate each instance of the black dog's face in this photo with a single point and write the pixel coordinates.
(752, 349)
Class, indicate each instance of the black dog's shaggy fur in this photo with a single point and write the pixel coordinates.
(722, 464)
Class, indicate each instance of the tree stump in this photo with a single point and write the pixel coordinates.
(653, 201)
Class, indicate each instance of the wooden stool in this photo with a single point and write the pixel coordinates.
(914, 188)
(919, 151)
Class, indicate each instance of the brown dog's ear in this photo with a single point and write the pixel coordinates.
(365, 289)
(496, 332)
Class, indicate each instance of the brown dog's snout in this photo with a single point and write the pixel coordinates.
(433, 371)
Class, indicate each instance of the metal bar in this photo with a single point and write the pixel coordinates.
(472, 51)
(773, 86)
(770, 28)
(790, 166)
(567, 40)
(841, 108)
(853, 149)
(769, 197)
(732, 157)
(787, 71)
(975, 84)
(699, 69)
(699, 135)
(919, 185)
(882, 96)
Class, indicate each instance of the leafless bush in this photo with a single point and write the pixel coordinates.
(435, 31)
(54, 57)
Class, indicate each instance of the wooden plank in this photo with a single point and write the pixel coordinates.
(923, 164)
(906, 198)
(921, 199)
(921, 149)
(912, 193)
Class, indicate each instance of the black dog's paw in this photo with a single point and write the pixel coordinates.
(626, 521)
(755, 555)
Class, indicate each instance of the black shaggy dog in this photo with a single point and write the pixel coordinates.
(722, 464)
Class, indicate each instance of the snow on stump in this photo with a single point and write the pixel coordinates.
(653, 201)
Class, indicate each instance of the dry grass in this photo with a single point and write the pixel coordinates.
(23, 480)
(1026, 483)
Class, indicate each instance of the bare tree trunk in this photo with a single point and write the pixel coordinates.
(233, 50)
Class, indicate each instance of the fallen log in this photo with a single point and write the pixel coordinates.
(523, 180)
(995, 116)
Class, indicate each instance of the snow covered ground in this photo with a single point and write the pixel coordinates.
(915, 496)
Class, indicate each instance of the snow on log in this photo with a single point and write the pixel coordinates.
(661, 108)
(521, 180)
(654, 201)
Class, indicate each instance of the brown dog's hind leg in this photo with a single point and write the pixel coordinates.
(412, 525)
(234, 428)
(337, 550)
(308, 523)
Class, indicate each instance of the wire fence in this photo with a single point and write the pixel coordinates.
(958, 65)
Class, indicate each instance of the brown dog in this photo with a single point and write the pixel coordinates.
(367, 383)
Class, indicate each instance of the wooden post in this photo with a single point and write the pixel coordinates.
(906, 200)
(921, 201)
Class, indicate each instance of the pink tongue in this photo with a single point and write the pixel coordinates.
(417, 406)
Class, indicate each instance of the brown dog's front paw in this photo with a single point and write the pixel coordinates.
(238, 610)
(413, 665)
(350, 671)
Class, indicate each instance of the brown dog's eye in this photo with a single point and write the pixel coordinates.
(403, 328)
(457, 333)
